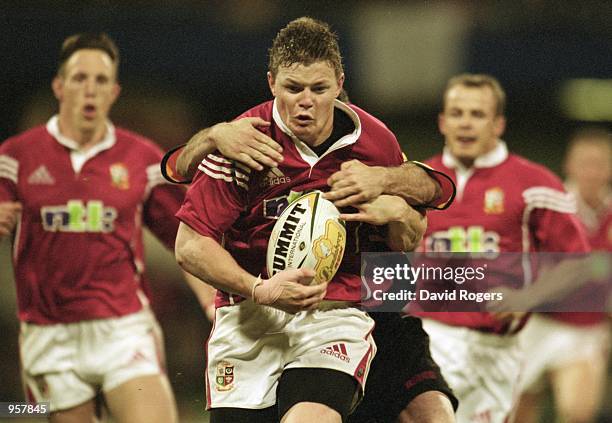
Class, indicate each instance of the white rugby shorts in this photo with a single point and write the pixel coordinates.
(551, 344)
(481, 368)
(66, 364)
(250, 346)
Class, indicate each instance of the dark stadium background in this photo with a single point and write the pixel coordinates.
(187, 64)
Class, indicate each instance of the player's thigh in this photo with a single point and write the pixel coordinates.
(428, 407)
(402, 370)
(529, 407)
(321, 395)
(579, 388)
(144, 399)
(83, 413)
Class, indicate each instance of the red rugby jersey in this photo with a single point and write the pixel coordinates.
(505, 203)
(78, 248)
(228, 199)
(598, 224)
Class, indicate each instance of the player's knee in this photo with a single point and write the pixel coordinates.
(428, 407)
(311, 411)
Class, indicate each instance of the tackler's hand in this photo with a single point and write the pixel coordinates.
(240, 140)
(355, 183)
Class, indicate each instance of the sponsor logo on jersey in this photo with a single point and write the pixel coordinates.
(41, 176)
(458, 239)
(78, 217)
(224, 379)
(120, 177)
(273, 207)
(338, 351)
(494, 201)
(274, 177)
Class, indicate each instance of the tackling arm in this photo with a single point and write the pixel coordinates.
(405, 225)
(357, 183)
(237, 140)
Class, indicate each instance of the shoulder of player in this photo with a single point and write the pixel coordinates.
(263, 110)
(140, 144)
(24, 141)
(530, 173)
(373, 127)
(435, 162)
(217, 166)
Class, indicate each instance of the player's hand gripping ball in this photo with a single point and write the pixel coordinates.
(308, 234)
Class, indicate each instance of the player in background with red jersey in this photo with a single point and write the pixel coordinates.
(504, 203)
(572, 349)
(75, 194)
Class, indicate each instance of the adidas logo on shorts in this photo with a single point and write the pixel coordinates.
(338, 351)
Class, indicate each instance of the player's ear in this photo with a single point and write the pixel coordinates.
(115, 92)
(340, 84)
(271, 84)
(500, 125)
(441, 123)
(57, 85)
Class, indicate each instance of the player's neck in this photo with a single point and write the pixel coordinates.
(593, 198)
(467, 163)
(85, 138)
(324, 135)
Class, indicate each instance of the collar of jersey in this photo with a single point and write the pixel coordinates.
(305, 151)
(77, 157)
(493, 158)
(107, 142)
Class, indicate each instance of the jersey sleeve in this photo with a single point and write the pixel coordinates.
(162, 202)
(552, 220)
(217, 196)
(9, 172)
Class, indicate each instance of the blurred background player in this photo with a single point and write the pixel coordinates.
(504, 203)
(316, 133)
(571, 350)
(74, 195)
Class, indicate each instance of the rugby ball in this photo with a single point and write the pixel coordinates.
(308, 234)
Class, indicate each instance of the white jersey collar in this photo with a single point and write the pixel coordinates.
(77, 157)
(493, 158)
(305, 151)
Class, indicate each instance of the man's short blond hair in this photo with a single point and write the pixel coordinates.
(479, 80)
(305, 41)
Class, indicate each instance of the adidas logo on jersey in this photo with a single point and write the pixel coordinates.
(41, 176)
(274, 177)
(338, 351)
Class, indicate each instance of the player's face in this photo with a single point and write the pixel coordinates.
(469, 124)
(86, 90)
(305, 99)
(590, 167)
